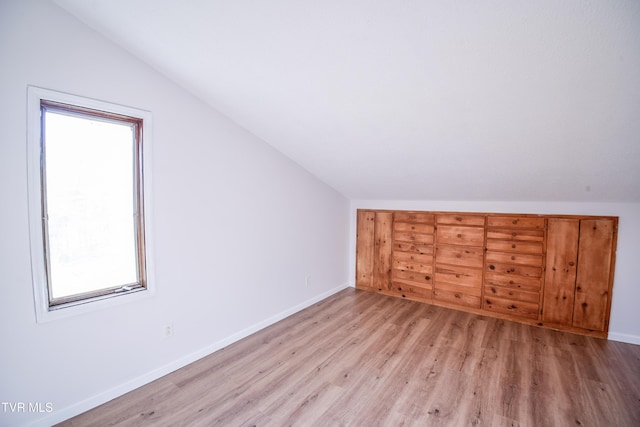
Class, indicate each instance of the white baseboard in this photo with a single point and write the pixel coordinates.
(97, 400)
(628, 338)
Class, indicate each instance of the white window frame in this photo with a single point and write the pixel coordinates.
(44, 310)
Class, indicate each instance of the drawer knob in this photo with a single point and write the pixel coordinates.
(571, 264)
(492, 267)
(459, 236)
(513, 246)
(515, 221)
(513, 258)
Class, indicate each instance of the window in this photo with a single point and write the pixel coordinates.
(87, 192)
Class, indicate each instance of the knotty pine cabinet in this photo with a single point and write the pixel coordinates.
(579, 275)
(553, 271)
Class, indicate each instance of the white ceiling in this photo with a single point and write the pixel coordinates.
(407, 99)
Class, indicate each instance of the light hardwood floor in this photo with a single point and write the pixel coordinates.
(360, 358)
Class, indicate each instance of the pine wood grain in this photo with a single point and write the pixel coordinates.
(593, 281)
(361, 358)
(560, 275)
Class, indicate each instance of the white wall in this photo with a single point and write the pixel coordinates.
(237, 228)
(625, 316)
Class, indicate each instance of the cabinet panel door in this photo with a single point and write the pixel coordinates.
(561, 267)
(382, 250)
(595, 253)
(364, 249)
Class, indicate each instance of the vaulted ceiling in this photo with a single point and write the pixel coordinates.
(405, 99)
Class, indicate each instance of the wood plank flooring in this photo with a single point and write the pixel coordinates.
(364, 359)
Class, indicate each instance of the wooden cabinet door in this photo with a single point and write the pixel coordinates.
(561, 267)
(373, 250)
(364, 249)
(383, 243)
(593, 281)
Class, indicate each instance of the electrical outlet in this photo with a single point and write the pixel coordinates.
(307, 281)
(168, 331)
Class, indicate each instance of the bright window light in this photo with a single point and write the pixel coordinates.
(89, 175)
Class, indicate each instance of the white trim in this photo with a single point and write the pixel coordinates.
(94, 401)
(627, 338)
(41, 300)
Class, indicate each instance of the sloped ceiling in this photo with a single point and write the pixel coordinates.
(398, 99)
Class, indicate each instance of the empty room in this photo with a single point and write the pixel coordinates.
(331, 213)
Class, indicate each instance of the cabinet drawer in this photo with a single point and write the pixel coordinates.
(531, 284)
(518, 235)
(412, 257)
(415, 228)
(514, 308)
(513, 258)
(511, 294)
(457, 298)
(408, 290)
(515, 222)
(460, 255)
(418, 267)
(512, 269)
(417, 217)
(413, 248)
(459, 275)
(452, 235)
(459, 219)
(412, 276)
(402, 236)
(514, 246)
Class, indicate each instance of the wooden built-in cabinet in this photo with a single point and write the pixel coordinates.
(554, 271)
(579, 275)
